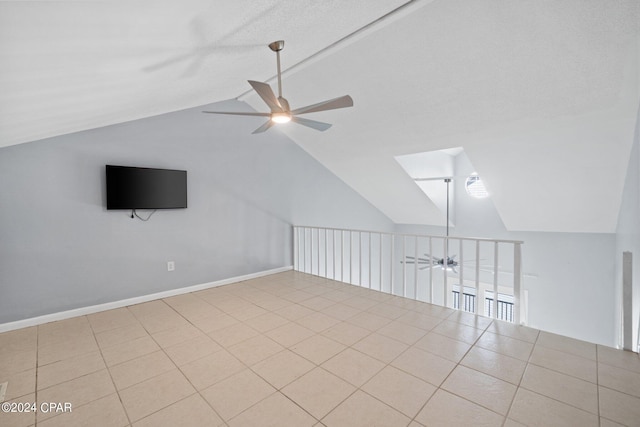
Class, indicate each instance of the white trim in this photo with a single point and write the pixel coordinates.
(3, 390)
(33, 321)
(627, 301)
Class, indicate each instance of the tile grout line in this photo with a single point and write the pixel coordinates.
(198, 392)
(389, 364)
(343, 400)
(456, 366)
(109, 372)
(37, 370)
(562, 373)
(126, 361)
(457, 363)
(598, 384)
(521, 377)
(316, 333)
(277, 390)
(58, 361)
(249, 367)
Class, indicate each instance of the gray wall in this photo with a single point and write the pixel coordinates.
(570, 277)
(628, 231)
(61, 249)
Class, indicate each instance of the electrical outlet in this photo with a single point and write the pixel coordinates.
(171, 266)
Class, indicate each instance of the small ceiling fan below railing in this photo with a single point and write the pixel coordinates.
(427, 261)
(451, 263)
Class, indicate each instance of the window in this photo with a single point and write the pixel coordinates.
(470, 303)
(505, 306)
(468, 299)
(475, 187)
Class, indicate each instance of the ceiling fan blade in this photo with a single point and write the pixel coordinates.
(267, 95)
(420, 260)
(233, 113)
(472, 261)
(414, 261)
(264, 127)
(331, 104)
(321, 126)
(530, 275)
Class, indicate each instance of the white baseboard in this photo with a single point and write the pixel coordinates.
(33, 321)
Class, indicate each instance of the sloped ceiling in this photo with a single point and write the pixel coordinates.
(542, 95)
(81, 64)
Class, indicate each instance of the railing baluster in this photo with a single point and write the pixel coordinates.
(461, 265)
(431, 269)
(415, 269)
(370, 263)
(295, 248)
(305, 250)
(393, 243)
(380, 262)
(360, 258)
(404, 266)
(326, 251)
(477, 282)
(333, 243)
(311, 251)
(445, 265)
(495, 280)
(351, 257)
(517, 275)
(341, 255)
(300, 249)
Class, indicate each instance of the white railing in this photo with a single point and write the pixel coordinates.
(425, 268)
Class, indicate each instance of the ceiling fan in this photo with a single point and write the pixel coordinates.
(427, 261)
(280, 110)
(450, 263)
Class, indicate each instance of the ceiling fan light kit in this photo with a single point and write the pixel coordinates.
(279, 106)
(280, 117)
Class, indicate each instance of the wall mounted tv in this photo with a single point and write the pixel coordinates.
(145, 188)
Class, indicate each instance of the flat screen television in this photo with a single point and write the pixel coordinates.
(145, 188)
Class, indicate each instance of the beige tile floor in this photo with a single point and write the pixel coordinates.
(296, 350)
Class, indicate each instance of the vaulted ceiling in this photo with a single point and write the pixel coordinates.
(541, 95)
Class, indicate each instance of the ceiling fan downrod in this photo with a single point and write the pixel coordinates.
(448, 181)
(277, 46)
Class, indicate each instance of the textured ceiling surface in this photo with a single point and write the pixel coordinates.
(75, 65)
(541, 95)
